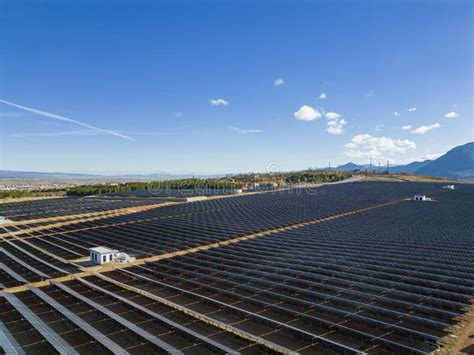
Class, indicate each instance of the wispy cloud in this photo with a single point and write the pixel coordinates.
(64, 119)
(412, 109)
(147, 133)
(407, 127)
(58, 134)
(278, 82)
(424, 129)
(370, 93)
(323, 96)
(379, 127)
(219, 102)
(452, 115)
(83, 133)
(396, 114)
(246, 131)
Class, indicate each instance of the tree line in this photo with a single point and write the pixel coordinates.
(31, 193)
(223, 183)
(179, 184)
(226, 183)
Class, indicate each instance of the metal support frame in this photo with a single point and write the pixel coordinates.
(86, 327)
(56, 341)
(8, 343)
(12, 273)
(22, 263)
(127, 324)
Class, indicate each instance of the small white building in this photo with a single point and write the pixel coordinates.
(3, 220)
(419, 198)
(102, 255)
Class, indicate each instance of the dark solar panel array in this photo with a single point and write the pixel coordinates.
(26, 210)
(392, 279)
(177, 227)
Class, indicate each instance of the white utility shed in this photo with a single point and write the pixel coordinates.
(420, 198)
(102, 255)
(4, 220)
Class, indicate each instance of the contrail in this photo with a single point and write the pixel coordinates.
(62, 118)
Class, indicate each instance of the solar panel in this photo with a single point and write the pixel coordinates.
(50, 335)
(143, 333)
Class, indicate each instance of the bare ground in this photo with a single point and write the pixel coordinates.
(461, 339)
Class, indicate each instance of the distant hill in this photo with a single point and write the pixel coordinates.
(409, 168)
(32, 175)
(458, 163)
(351, 166)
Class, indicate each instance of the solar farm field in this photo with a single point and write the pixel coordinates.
(29, 210)
(181, 226)
(355, 268)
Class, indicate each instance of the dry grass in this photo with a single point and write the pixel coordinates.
(404, 178)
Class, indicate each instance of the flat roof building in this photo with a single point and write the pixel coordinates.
(419, 198)
(102, 255)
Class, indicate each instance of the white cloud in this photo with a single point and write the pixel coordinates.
(424, 157)
(412, 109)
(407, 127)
(336, 126)
(219, 102)
(332, 115)
(307, 113)
(65, 119)
(424, 129)
(365, 145)
(396, 114)
(379, 127)
(323, 96)
(278, 82)
(431, 156)
(452, 115)
(246, 132)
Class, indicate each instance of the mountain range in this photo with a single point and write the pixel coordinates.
(458, 163)
(33, 175)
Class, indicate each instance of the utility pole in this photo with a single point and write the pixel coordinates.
(370, 165)
(379, 168)
(329, 166)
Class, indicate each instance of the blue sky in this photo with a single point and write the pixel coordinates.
(195, 84)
